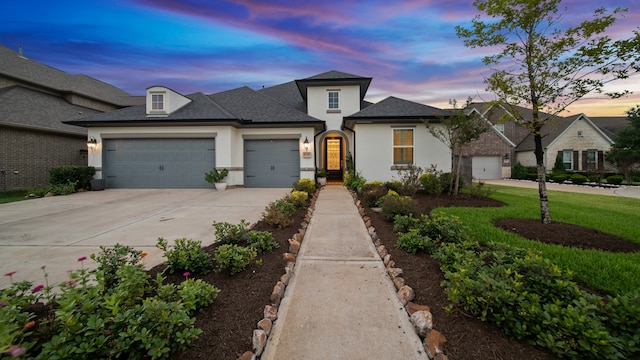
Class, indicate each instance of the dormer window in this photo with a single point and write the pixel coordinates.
(157, 102)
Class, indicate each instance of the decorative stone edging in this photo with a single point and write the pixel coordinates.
(263, 329)
(420, 315)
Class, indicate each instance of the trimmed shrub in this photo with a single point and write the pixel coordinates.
(275, 217)
(306, 185)
(412, 242)
(445, 179)
(431, 184)
(186, 255)
(394, 186)
(518, 171)
(110, 259)
(227, 233)
(397, 205)
(354, 181)
(79, 175)
(578, 179)
(298, 198)
(410, 179)
(372, 192)
(615, 179)
(559, 178)
(261, 241)
(234, 258)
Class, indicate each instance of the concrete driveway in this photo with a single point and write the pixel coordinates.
(56, 231)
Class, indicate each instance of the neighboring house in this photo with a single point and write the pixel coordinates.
(266, 138)
(579, 140)
(34, 100)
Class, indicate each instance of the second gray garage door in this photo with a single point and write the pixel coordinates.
(158, 163)
(271, 163)
(486, 167)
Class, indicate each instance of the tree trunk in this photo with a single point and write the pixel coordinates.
(459, 166)
(545, 215)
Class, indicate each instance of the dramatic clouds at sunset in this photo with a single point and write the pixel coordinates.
(409, 47)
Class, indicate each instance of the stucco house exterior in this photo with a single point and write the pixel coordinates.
(34, 100)
(266, 138)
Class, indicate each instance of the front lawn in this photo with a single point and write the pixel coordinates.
(606, 272)
(11, 196)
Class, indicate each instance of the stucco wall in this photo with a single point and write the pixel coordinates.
(27, 155)
(318, 103)
(229, 144)
(374, 150)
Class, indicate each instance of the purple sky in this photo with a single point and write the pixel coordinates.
(409, 47)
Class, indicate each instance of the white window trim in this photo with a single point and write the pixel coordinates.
(337, 102)
(500, 128)
(394, 146)
(162, 102)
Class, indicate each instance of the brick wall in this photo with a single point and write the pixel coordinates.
(27, 155)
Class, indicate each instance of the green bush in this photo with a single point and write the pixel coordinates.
(578, 179)
(87, 320)
(227, 233)
(402, 224)
(38, 191)
(531, 176)
(261, 241)
(558, 166)
(615, 179)
(274, 217)
(193, 294)
(79, 175)
(63, 189)
(412, 242)
(518, 171)
(445, 179)
(186, 255)
(284, 206)
(354, 181)
(393, 186)
(559, 178)
(397, 205)
(431, 184)
(233, 257)
(306, 185)
(298, 198)
(110, 259)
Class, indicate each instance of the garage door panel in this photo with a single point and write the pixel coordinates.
(271, 163)
(486, 167)
(158, 163)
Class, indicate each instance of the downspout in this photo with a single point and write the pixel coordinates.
(315, 137)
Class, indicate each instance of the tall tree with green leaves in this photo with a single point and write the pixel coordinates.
(625, 153)
(545, 65)
(458, 130)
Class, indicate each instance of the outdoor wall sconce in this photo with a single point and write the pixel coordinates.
(306, 144)
(92, 144)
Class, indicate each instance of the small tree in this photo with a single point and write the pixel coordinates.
(544, 65)
(625, 153)
(458, 130)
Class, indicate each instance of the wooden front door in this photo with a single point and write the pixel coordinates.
(333, 158)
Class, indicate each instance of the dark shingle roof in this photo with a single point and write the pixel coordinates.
(28, 108)
(393, 107)
(334, 78)
(611, 125)
(248, 104)
(15, 66)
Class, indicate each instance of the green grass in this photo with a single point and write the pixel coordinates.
(11, 196)
(610, 273)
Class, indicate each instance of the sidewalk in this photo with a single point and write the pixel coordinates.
(340, 302)
(623, 191)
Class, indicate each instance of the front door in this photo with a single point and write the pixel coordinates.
(333, 158)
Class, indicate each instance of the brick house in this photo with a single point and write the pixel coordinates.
(34, 100)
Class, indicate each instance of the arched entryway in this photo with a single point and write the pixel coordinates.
(333, 154)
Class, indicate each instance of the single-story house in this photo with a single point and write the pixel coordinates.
(266, 138)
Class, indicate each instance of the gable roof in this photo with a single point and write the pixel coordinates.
(334, 77)
(22, 69)
(554, 129)
(28, 108)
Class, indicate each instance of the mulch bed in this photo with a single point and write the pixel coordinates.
(229, 322)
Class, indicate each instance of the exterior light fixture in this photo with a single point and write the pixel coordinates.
(306, 144)
(92, 144)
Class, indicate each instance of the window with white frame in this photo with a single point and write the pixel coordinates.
(334, 100)
(402, 146)
(567, 159)
(500, 128)
(157, 102)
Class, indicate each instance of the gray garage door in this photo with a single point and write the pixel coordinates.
(271, 163)
(486, 167)
(158, 163)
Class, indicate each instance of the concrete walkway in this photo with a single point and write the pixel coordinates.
(623, 191)
(340, 303)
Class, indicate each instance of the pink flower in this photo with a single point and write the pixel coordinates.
(2, 303)
(82, 258)
(10, 273)
(186, 274)
(70, 282)
(15, 351)
(37, 288)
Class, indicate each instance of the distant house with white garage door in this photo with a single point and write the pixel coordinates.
(266, 138)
